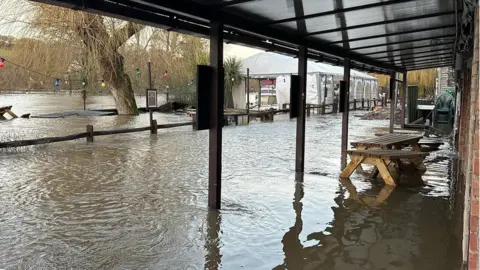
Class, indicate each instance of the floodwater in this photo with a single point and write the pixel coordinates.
(139, 201)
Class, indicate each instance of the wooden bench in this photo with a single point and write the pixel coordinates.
(382, 159)
(401, 131)
(8, 110)
(432, 144)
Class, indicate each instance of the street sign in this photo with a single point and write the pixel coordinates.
(151, 99)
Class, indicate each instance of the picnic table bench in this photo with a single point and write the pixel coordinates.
(8, 110)
(382, 159)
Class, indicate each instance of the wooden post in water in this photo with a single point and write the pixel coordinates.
(363, 103)
(322, 109)
(308, 110)
(300, 139)
(216, 115)
(393, 101)
(153, 127)
(346, 107)
(70, 85)
(354, 104)
(90, 133)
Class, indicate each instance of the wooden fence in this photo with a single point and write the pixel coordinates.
(90, 134)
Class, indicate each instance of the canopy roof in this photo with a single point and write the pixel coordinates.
(268, 63)
(379, 35)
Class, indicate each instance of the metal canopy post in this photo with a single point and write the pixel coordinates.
(247, 86)
(216, 114)
(393, 101)
(402, 100)
(300, 145)
(346, 109)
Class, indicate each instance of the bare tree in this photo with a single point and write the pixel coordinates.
(102, 39)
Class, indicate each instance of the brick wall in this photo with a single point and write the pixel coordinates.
(471, 155)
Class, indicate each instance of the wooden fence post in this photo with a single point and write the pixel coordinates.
(154, 127)
(374, 102)
(308, 110)
(323, 108)
(90, 133)
(354, 104)
(363, 103)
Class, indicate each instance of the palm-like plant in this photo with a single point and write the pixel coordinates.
(233, 78)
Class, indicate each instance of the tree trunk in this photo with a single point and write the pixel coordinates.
(119, 83)
(100, 43)
(230, 99)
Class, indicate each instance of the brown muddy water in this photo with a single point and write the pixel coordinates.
(138, 201)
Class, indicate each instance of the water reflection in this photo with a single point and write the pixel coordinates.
(365, 199)
(362, 235)
(213, 258)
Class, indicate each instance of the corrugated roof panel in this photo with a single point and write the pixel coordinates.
(400, 46)
(402, 38)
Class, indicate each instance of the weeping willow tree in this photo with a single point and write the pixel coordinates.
(233, 78)
(101, 38)
(425, 79)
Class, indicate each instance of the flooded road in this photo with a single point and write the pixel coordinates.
(137, 201)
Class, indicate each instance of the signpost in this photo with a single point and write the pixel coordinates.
(84, 95)
(151, 102)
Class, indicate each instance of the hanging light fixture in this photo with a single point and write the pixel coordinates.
(165, 74)
(57, 82)
(2, 62)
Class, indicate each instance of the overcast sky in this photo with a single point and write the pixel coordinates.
(15, 14)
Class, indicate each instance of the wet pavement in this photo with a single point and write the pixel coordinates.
(138, 201)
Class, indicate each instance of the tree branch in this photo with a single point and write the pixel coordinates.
(125, 33)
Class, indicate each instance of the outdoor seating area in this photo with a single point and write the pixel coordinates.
(391, 154)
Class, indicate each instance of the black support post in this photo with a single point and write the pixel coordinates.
(393, 101)
(403, 99)
(302, 74)
(216, 114)
(247, 86)
(346, 108)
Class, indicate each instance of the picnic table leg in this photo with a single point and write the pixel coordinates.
(419, 165)
(12, 114)
(359, 168)
(382, 168)
(416, 147)
(351, 167)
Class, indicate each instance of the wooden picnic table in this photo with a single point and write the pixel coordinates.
(384, 160)
(390, 141)
(385, 143)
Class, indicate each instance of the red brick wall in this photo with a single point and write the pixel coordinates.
(471, 155)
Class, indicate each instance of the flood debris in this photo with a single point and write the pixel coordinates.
(381, 113)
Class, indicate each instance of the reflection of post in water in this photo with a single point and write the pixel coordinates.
(292, 246)
(212, 242)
